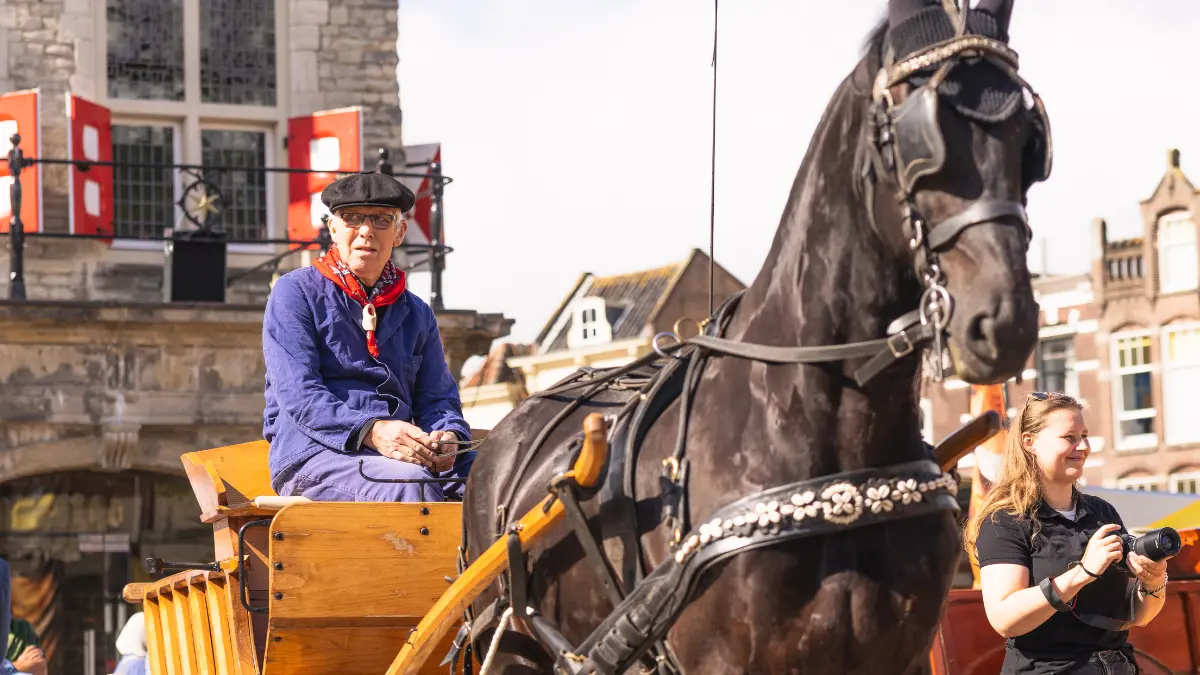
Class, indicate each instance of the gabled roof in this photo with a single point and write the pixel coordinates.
(635, 297)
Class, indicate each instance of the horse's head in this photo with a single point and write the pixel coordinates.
(956, 139)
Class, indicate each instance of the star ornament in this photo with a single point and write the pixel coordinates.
(204, 205)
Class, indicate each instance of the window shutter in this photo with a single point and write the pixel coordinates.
(330, 142)
(91, 189)
(20, 113)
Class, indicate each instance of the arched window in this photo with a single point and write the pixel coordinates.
(1177, 252)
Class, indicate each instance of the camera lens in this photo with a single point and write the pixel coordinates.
(1158, 544)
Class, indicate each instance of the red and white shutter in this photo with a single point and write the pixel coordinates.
(329, 142)
(90, 134)
(420, 217)
(20, 113)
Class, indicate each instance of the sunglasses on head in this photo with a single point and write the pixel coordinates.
(1046, 395)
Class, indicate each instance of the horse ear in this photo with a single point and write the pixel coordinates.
(1000, 9)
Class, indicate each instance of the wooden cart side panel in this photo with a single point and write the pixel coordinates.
(331, 649)
(347, 560)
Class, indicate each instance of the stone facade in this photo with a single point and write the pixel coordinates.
(109, 386)
(109, 374)
(343, 53)
(49, 45)
(1129, 326)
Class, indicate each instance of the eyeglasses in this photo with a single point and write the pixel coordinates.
(378, 221)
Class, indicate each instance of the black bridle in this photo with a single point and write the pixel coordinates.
(905, 141)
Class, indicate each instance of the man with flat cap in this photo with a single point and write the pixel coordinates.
(355, 367)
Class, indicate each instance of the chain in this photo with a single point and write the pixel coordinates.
(936, 305)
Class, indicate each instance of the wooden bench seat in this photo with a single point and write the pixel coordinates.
(342, 582)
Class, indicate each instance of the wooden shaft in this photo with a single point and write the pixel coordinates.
(966, 438)
(494, 561)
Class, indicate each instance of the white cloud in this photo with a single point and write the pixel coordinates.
(578, 131)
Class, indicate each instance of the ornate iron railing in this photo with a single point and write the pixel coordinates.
(209, 224)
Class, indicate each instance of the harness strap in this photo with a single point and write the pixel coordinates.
(982, 211)
(809, 508)
(883, 351)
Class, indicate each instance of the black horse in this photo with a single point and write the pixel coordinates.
(904, 229)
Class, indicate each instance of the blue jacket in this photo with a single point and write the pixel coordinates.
(323, 386)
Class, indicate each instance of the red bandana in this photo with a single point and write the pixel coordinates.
(387, 290)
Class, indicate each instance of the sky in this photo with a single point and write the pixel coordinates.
(578, 132)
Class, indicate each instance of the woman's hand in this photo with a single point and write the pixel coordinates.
(1151, 574)
(1103, 549)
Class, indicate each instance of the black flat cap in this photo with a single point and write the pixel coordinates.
(367, 189)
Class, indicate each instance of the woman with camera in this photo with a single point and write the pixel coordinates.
(1055, 577)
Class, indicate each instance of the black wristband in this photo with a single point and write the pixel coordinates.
(1052, 595)
(1085, 570)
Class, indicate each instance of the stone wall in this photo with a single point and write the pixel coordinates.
(108, 387)
(343, 53)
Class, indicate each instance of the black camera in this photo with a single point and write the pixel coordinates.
(1156, 545)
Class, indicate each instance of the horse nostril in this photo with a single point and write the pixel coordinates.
(982, 332)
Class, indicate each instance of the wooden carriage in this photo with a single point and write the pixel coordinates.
(297, 586)
(307, 587)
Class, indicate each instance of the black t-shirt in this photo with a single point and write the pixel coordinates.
(1062, 642)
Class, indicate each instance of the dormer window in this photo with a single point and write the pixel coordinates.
(1177, 261)
(589, 323)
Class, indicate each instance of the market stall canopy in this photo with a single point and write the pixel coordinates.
(1143, 510)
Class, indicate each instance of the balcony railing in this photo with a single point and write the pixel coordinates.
(216, 211)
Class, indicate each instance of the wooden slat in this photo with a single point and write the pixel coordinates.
(348, 651)
(362, 559)
(156, 658)
(219, 625)
(201, 630)
(166, 620)
(183, 633)
(241, 630)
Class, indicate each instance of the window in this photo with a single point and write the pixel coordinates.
(1181, 381)
(1133, 396)
(226, 156)
(1185, 482)
(1140, 484)
(1177, 260)
(1056, 366)
(589, 323)
(237, 52)
(201, 92)
(145, 49)
(144, 198)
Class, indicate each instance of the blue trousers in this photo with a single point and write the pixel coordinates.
(333, 477)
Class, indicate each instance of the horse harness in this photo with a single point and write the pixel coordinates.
(906, 139)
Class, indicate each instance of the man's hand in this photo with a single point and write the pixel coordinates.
(404, 442)
(444, 462)
(32, 660)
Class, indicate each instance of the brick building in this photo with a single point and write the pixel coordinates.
(1124, 338)
(105, 378)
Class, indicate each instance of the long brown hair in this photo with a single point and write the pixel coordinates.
(1019, 488)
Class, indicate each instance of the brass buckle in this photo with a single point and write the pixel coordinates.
(900, 351)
